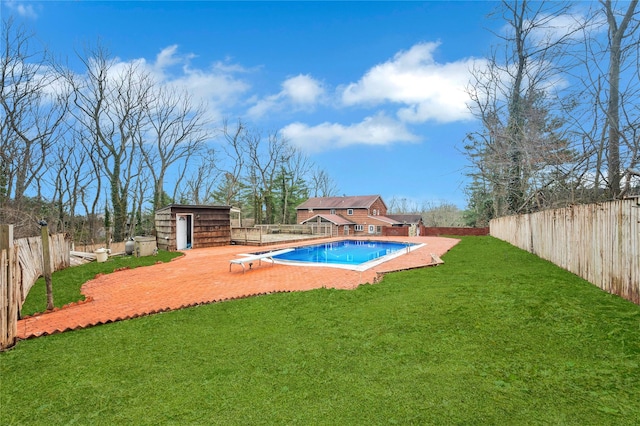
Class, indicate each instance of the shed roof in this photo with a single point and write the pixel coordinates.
(351, 202)
(406, 218)
(193, 207)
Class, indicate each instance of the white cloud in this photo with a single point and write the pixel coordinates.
(376, 130)
(262, 106)
(548, 29)
(213, 86)
(166, 58)
(301, 92)
(430, 90)
(228, 66)
(217, 85)
(22, 9)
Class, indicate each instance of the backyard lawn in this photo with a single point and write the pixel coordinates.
(67, 282)
(493, 336)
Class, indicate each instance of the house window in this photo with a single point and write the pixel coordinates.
(358, 227)
(372, 229)
(349, 212)
(333, 211)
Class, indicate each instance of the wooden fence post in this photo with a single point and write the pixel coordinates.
(6, 237)
(46, 263)
(9, 302)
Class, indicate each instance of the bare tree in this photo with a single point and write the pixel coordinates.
(603, 109)
(143, 190)
(229, 190)
(321, 184)
(111, 104)
(91, 195)
(521, 135)
(201, 182)
(441, 214)
(266, 160)
(293, 187)
(176, 132)
(617, 32)
(403, 205)
(33, 105)
(71, 174)
(265, 175)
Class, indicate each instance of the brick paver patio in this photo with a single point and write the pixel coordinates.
(203, 276)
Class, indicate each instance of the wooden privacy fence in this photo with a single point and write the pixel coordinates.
(20, 266)
(598, 242)
(30, 259)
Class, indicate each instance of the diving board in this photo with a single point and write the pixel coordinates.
(251, 259)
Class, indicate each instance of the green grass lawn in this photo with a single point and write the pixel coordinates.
(493, 336)
(67, 282)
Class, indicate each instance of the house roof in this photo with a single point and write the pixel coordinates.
(406, 218)
(351, 202)
(333, 218)
(386, 219)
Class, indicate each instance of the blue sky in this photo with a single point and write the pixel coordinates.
(372, 91)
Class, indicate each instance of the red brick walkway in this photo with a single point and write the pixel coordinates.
(202, 276)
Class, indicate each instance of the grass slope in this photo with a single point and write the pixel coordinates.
(494, 336)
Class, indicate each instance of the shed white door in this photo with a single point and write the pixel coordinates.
(182, 228)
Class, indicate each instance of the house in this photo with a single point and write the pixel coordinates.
(180, 226)
(357, 215)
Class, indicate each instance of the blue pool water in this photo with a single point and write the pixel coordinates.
(346, 252)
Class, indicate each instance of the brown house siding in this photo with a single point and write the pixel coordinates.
(360, 216)
(303, 215)
(379, 206)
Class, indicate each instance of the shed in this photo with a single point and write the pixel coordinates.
(180, 226)
(411, 221)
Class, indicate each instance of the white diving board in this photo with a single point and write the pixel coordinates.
(252, 258)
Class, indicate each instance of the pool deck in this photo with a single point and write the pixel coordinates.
(202, 276)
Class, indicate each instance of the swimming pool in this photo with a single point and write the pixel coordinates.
(348, 254)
